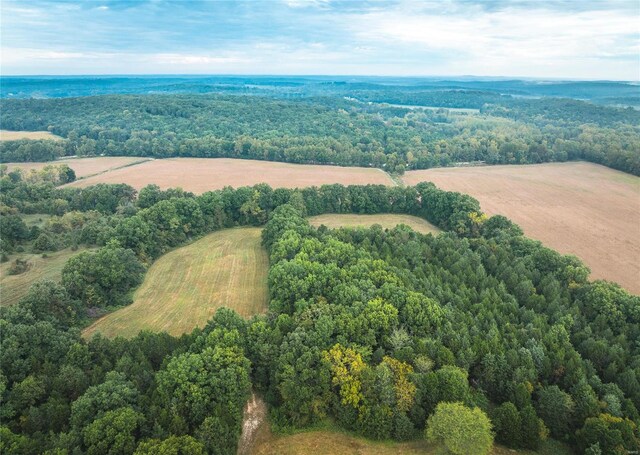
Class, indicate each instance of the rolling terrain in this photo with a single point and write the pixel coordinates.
(183, 289)
(578, 208)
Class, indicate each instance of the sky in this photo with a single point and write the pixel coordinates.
(565, 39)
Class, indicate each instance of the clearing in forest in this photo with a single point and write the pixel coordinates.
(14, 287)
(6, 135)
(199, 175)
(183, 289)
(577, 208)
(386, 220)
(84, 167)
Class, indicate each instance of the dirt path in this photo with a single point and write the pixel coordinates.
(255, 427)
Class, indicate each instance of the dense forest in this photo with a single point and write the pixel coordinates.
(355, 130)
(391, 334)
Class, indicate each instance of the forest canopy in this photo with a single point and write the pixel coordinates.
(389, 333)
(330, 129)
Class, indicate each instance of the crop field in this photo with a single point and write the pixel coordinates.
(576, 208)
(184, 288)
(84, 167)
(386, 220)
(204, 174)
(14, 287)
(17, 135)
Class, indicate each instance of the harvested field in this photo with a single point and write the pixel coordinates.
(204, 174)
(577, 208)
(184, 288)
(14, 287)
(84, 167)
(386, 220)
(6, 135)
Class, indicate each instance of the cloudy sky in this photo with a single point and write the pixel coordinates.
(579, 39)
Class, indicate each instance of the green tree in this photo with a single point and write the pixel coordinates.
(211, 384)
(103, 278)
(507, 424)
(173, 445)
(556, 408)
(613, 435)
(114, 433)
(459, 429)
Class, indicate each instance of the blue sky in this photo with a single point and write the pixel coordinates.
(577, 39)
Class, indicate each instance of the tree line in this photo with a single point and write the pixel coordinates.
(328, 130)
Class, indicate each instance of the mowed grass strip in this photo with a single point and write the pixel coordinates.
(330, 442)
(386, 220)
(6, 135)
(14, 287)
(183, 289)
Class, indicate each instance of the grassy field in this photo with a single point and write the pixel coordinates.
(576, 208)
(84, 167)
(204, 174)
(14, 287)
(6, 135)
(36, 219)
(386, 220)
(183, 289)
(329, 442)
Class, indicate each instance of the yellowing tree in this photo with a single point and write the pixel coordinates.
(346, 368)
(405, 390)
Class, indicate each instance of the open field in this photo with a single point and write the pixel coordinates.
(14, 287)
(386, 220)
(184, 288)
(323, 442)
(576, 208)
(84, 167)
(35, 219)
(204, 174)
(6, 135)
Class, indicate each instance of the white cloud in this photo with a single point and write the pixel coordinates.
(306, 3)
(502, 41)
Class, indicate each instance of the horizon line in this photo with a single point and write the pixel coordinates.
(434, 76)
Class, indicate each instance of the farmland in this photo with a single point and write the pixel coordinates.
(184, 288)
(84, 167)
(17, 135)
(579, 208)
(203, 174)
(14, 287)
(387, 221)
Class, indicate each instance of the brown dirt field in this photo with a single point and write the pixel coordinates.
(83, 167)
(204, 174)
(577, 208)
(6, 135)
